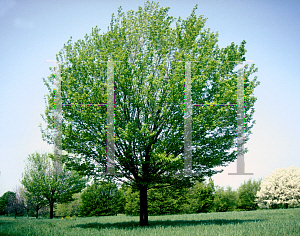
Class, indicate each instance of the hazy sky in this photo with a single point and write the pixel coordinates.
(35, 31)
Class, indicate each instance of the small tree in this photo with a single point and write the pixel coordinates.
(8, 205)
(71, 208)
(247, 192)
(25, 201)
(15, 203)
(44, 211)
(281, 189)
(225, 200)
(33, 198)
(47, 181)
(99, 199)
(132, 201)
(202, 196)
(162, 201)
(121, 199)
(4, 202)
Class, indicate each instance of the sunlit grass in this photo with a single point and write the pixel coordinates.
(261, 222)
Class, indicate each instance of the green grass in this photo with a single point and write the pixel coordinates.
(261, 222)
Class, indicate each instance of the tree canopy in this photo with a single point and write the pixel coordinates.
(149, 92)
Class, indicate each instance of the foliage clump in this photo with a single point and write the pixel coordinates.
(280, 189)
(101, 199)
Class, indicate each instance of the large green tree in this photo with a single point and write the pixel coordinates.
(46, 181)
(149, 107)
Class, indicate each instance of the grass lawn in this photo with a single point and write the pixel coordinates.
(260, 222)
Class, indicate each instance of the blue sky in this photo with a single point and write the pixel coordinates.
(35, 31)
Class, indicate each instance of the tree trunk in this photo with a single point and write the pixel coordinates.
(15, 214)
(51, 210)
(37, 213)
(143, 206)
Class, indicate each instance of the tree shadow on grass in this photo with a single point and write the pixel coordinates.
(163, 223)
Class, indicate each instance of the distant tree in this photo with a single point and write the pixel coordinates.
(100, 199)
(44, 211)
(15, 203)
(8, 206)
(247, 192)
(46, 180)
(63, 209)
(202, 196)
(280, 189)
(2, 204)
(4, 201)
(33, 198)
(27, 206)
(225, 200)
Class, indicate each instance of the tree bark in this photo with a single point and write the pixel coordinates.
(37, 213)
(51, 210)
(143, 206)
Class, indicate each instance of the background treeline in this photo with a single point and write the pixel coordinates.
(201, 198)
(104, 198)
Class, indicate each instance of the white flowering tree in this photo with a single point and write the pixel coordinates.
(281, 189)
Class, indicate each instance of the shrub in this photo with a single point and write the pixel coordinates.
(132, 206)
(225, 200)
(247, 192)
(172, 200)
(69, 209)
(281, 189)
(202, 197)
(161, 200)
(100, 199)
